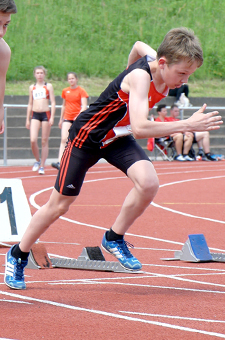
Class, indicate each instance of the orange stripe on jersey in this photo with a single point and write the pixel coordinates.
(64, 165)
(48, 114)
(95, 121)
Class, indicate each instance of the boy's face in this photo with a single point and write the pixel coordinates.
(4, 21)
(175, 75)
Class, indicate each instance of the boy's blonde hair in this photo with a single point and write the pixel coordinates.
(181, 44)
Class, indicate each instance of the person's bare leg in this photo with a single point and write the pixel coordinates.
(178, 141)
(64, 137)
(34, 129)
(146, 184)
(203, 140)
(46, 128)
(188, 139)
(57, 206)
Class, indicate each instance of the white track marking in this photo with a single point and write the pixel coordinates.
(16, 301)
(173, 317)
(184, 214)
(33, 203)
(114, 315)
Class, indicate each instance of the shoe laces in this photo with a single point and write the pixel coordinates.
(124, 247)
(19, 272)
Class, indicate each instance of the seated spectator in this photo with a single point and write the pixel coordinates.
(181, 95)
(182, 142)
(201, 138)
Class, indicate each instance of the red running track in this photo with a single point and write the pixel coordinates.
(169, 300)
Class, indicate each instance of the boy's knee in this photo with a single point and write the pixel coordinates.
(149, 187)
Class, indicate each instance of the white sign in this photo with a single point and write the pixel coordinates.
(15, 212)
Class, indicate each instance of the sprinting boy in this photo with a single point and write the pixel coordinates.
(105, 130)
(7, 7)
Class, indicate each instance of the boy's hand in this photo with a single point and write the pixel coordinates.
(201, 121)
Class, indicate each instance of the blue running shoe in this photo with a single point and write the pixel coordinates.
(14, 271)
(120, 250)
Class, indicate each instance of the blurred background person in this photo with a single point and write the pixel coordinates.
(74, 101)
(39, 116)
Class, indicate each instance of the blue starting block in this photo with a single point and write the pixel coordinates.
(195, 249)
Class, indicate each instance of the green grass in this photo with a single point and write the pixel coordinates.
(94, 38)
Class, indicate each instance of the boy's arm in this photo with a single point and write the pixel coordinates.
(139, 82)
(5, 54)
(139, 50)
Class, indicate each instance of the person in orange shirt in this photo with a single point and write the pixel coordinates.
(74, 102)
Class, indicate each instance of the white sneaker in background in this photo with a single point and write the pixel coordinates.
(41, 171)
(36, 166)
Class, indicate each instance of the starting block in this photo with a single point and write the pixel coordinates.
(91, 258)
(195, 249)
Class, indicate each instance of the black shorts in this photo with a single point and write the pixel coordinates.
(41, 116)
(75, 162)
(68, 121)
(194, 139)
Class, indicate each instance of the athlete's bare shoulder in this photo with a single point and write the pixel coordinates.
(5, 54)
(49, 86)
(4, 48)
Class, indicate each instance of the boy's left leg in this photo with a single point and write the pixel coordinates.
(143, 175)
(146, 185)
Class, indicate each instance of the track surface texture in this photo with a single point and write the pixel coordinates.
(168, 300)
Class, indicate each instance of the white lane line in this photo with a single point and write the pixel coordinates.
(16, 301)
(184, 214)
(173, 317)
(33, 203)
(114, 315)
(174, 277)
(130, 285)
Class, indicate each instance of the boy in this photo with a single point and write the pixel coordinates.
(7, 7)
(104, 131)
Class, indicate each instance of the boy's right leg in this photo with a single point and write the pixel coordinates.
(56, 206)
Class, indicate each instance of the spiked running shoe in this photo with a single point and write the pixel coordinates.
(14, 271)
(120, 250)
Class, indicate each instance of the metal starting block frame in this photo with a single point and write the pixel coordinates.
(91, 258)
(195, 249)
